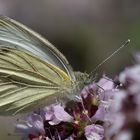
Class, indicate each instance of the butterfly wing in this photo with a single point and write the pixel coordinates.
(27, 81)
(14, 34)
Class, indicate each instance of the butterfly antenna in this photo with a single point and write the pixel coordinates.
(125, 44)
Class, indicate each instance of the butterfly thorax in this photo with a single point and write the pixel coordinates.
(82, 79)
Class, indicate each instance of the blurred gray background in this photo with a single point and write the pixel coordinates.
(85, 31)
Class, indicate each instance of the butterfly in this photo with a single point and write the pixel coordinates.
(32, 70)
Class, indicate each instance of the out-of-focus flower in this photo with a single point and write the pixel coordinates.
(114, 122)
(125, 109)
(124, 135)
(33, 128)
(94, 132)
(130, 76)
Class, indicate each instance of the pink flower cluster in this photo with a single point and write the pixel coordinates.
(76, 120)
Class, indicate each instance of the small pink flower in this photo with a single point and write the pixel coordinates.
(56, 114)
(89, 89)
(100, 114)
(106, 83)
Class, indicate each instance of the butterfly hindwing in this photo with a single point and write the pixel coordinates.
(26, 80)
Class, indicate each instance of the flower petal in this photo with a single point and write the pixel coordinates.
(94, 132)
(106, 83)
(61, 114)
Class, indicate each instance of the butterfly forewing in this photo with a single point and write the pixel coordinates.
(14, 34)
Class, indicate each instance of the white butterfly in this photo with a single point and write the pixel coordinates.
(32, 70)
